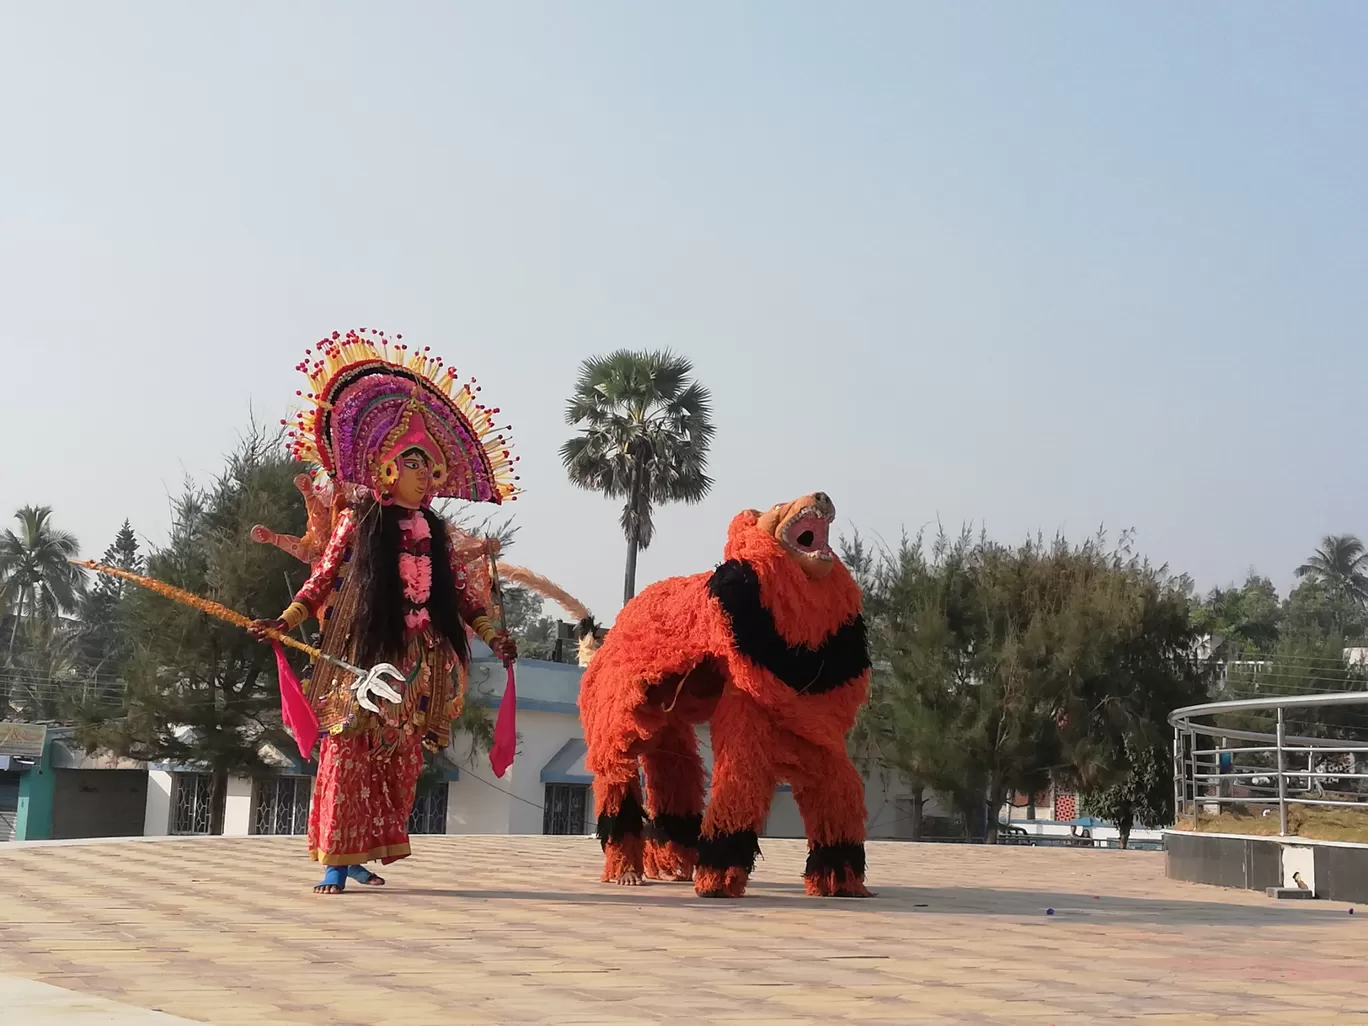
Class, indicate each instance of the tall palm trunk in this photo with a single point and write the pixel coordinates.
(629, 582)
(18, 618)
(633, 531)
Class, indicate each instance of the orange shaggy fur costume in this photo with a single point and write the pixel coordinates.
(770, 651)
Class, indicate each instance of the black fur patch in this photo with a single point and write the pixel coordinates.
(628, 821)
(842, 657)
(729, 851)
(682, 830)
(836, 858)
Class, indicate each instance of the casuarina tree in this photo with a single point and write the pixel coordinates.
(102, 637)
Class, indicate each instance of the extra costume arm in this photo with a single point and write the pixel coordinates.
(311, 598)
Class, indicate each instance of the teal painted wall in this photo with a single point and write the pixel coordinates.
(33, 817)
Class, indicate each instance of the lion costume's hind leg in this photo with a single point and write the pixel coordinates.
(637, 698)
(665, 845)
(675, 787)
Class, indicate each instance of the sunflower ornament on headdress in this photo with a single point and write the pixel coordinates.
(370, 400)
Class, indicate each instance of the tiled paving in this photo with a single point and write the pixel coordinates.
(518, 930)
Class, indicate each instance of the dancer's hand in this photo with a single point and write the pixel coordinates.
(503, 646)
(259, 628)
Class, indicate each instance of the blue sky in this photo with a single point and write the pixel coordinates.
(1038, 266)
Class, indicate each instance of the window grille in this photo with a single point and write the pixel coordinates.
(429, 813)
(282, 805)
(565, 808)
(193, 811)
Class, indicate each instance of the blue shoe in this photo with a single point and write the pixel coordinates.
(334, 881)
(362, 875)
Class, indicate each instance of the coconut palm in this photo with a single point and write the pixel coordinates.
(1341, 564)
(37, 583)
(645, 429)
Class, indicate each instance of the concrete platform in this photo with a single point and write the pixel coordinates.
(518, 930)
(1330, 870)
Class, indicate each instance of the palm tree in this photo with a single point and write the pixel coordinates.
(1341, 564)
(645, 429)
(37, 583)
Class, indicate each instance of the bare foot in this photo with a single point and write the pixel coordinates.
(333, 882)
(630, 878)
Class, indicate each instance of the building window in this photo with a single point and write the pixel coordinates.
(193, 808)
(429, 810)
(282, 805)
(565, 808)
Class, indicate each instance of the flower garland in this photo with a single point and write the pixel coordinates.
(415, 570)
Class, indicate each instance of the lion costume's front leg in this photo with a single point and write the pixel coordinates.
(830, 797)
(742, 789)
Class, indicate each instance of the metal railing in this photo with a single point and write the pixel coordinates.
(1265, 767)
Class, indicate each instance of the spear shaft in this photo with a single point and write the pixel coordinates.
(214, 609)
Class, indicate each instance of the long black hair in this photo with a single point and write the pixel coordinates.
(375, 561)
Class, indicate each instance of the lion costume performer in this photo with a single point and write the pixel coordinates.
(770, 651)
(390, 431)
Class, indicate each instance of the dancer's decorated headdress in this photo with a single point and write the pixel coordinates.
(372, 399)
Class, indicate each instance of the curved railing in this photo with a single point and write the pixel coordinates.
(1219, 765)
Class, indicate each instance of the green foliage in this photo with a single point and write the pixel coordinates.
(1248, 619)
(103, 634)
(645, 429)
(39, 588)
(1303, 664)
(1341, 565)
(1318, 612)
(41, 675)
(36, 580)
(199, 690)
(1000, 668)
(1142, 796)
(526, 620)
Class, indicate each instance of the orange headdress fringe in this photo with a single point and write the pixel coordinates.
(546, 589)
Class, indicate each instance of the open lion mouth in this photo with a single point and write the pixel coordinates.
(809, 533)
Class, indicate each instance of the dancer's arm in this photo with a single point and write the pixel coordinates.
(312, 597)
